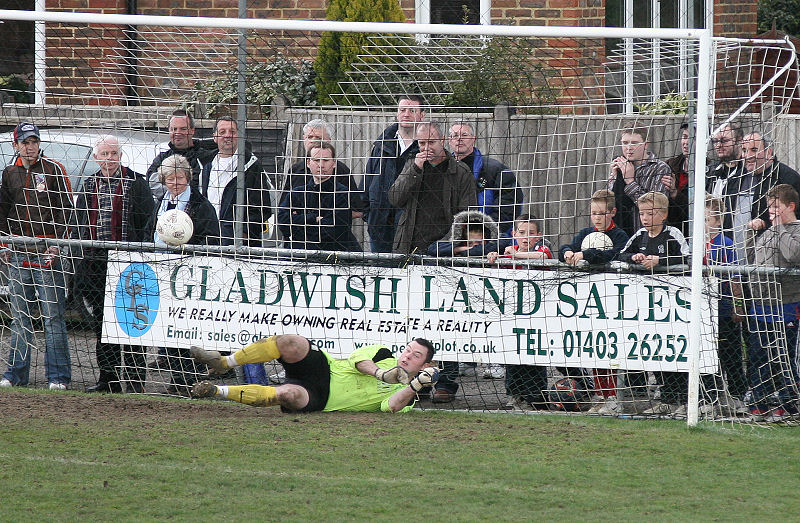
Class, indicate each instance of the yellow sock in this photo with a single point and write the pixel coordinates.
(255, 395)
(263, 350)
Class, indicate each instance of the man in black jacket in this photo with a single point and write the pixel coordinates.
(495, 183)
(217, 182)
(389, 155)
(316, 132)
(728, 148)
(744, 190)
(181, 141)
(115, 204)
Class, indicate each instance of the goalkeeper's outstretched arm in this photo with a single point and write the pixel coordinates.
(427, 377)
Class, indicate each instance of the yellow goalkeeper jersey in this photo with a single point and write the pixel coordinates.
(352, 390)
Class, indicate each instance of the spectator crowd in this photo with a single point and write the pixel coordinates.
(427, 189)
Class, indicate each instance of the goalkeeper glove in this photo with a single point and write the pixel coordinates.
(426, 378)
(393, 375)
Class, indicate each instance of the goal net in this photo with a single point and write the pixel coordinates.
(551, 267)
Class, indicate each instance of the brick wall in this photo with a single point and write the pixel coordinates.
(576, 63)
(573, 13)
(75, 54)
(736, 18)
(83, 62)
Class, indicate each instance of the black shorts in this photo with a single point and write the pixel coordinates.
(313, 373)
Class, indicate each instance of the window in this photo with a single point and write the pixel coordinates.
(644, 72)
(472, 12)
(455, 12)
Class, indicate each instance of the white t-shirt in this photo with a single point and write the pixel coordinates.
(403, 144)
(223, 170)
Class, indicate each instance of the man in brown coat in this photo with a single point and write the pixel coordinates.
(431, 189)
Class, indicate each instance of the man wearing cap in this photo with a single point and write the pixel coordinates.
(35, 202)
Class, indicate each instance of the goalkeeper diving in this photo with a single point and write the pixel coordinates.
(370, 380)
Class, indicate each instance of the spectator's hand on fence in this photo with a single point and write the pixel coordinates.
(5, 255)
(757, 224)
(649, 261)
(394, 375)
(572, 258)
(492, 256)
(620, 165)
(628, 171)
(427, 377)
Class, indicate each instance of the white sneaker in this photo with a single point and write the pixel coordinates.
(661, 409)
(277, 378)
(465, 369)
(610, 407)
(598, 402)
(739, 407)
(679, 412)
(494, 372)
(5, 383)
(57, 386)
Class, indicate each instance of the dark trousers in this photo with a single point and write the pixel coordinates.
(528, 381)
(448, 374)
(109, 355)
(730, 356)
(772, 364)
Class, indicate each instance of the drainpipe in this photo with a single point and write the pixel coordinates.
(40, 57)
(132, 55)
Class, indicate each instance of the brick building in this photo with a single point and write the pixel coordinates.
(101, 66)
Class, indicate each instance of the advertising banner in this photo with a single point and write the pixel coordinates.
(490, 315)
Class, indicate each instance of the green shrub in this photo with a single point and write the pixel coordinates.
(672, 103)
(505, 72)
(785, 14)
(464, 72)
(337, 51)
(291, 78)
(16, 88)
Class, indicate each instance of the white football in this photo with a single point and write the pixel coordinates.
(597, 240)
(174, 227)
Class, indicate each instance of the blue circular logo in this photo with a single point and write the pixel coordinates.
(137, 298)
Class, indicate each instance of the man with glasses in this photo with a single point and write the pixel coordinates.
(495, 183)
(745, 185)
(728, 148)
(636, 172)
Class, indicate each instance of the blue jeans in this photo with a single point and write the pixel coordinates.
(29, 275)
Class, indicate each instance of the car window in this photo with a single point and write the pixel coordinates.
(76, 159)
(73, 157)
(7, 153)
